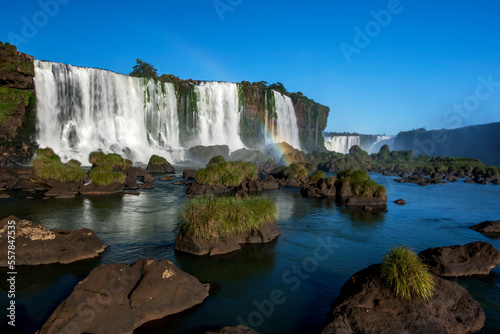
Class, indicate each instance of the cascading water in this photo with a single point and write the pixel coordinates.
(341, 144)
(285, 128)
(80, 110)
(379, 142)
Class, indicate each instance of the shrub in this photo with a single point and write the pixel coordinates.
(219, 217)
(295, 171)
(156, 160)
(361, 183)
(48, 166)
(405, 274)
(316, 176)
(228, 173)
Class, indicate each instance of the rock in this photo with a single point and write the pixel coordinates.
(400, 201)
(4, 196)
(366, 305)
(63, 190)
(319, 189)
(36, 245)
(188, 174)
(203, 154)
(270, 185)
(167, 178)
(242, 194)
(147, 185)
(490, 226)
(476, 258)
(135, 172)
(178, 183)
(362, 201)
(92, 189)
(233, 330)
(147, 178)
(469, 181)
(120, 298)
(164, 168)
(254, 186)
(195, 189)
(131, 183)
(197, 246)
(130, 192)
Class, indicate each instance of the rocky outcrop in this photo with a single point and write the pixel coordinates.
(195, 189)
(476, 258)
(203, 154)
(490, 226)
(420, 179)
(198, 246)
(362, 201)
(17, 113)
(115, 298)
(188, 174)
(159, 164)
(366, 305)
(319, 189)
(36, 245)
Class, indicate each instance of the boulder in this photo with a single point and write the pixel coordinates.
(233, 330)
(254, 186)
(131, 183)
(198, 246)
(400, 201)
(203, 154)
(147, 178)
(362, 201)
(320, 189)
(91, 189)
(195, 189)
(165, 168)
(490, 226)
(147, 185)
(135, 172)
(36, 245)
(366, 305)
(188, 174)
(476, 258)
(62, 190)
(167, 178)
(115, 298)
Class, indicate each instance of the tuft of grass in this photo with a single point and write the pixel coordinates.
(156, 160)
(220, 217)
(361, 183)
(48, 166)
(404, 273)
(296, 171)
(316, 176)
(227, 173)
(218, 159)
(116, 160)
(107, 168)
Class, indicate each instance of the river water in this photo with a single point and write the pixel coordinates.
(286, 286)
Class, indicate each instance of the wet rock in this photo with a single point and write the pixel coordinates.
(36, 245)
(91, 189)
(476, 258)
(490, 226)
(366, 305)
(167, 178)
(188, 174)
(400, 201)
(147, 185)
(120, 298)
(131, 183)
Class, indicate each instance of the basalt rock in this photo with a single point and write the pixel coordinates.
(490, 226)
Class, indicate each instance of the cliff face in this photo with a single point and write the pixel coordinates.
(478, 141)
(17, 106)
(311, 119)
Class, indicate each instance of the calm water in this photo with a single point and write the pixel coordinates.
(321, 246)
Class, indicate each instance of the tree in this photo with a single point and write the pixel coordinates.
(143, 69)
(279, 87)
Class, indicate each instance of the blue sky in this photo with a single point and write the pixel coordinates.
(426, 64)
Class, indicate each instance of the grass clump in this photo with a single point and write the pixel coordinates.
(116, 160)
(316, 176)
(48, 166)
(361, 183)
(156, 160)
(405, 274)
(296, 171)
(219, 217)
(227, 173)
(218, 159)
(107, 169)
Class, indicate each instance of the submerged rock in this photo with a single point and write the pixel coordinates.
(490, 226)
(400, 201)
(476, 258)
(115, 298)
(366, 305)
(198, 246)
(36, 245)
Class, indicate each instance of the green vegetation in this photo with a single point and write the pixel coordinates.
(316, 176)
(331, 180)
(144, 70)
(107, 169)
(293, 171)
(156, 160)
(10, 98)
(218, 159)
(219, 217)
(226, 173)
(48, 166)
(404, 273)
(361, 183)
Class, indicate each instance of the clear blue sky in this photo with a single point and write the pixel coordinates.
(427, 58)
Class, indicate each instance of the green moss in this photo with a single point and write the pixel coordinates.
(113, 159)
(361, 183)
(228, 173)
(405, 274)
(108, 168)
(218, 159)
(316, 176)
(220, 217)
(296, 171)
(156, 160)
(10, 98)
(48, 166)
(104, 178)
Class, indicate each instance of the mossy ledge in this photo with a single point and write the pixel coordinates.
(219, 225)
(47, 167)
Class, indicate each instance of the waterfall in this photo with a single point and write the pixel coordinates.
(379, 142)
(80, 110)
(286, 129)
(341, 144)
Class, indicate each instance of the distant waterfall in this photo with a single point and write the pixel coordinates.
(341, 144)
(379, 142)
(80, 110)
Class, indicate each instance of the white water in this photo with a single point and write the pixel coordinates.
(341, 144)
(381, 141)
(80, 110)
(286, 129)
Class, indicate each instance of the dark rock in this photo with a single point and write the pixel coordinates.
(400, 201)
(195, 189)
(131, 183)
(188, 174)
(167, 178)
(147, 178)
(5, 196)
(490, 226)
(367, 208)
(362, 201)
(36, 245)
(178, 183)
(130, 192)
(63, 190)
(165, 168)
(120, 298)
(469, 181)
(197, 246)
(203, 154)
(242, 194)
(476, 258)
(366, 305)
(147, 185)
(135, 172)
(270, 185)
(291, 183)
(254, 186)
(92, 189)
(233, 330)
